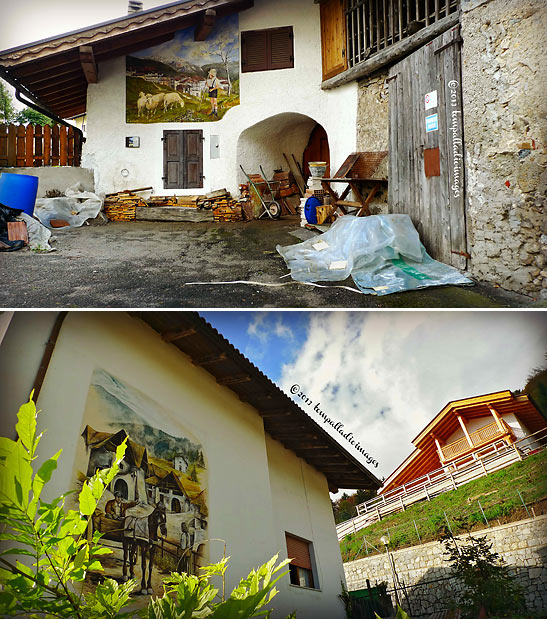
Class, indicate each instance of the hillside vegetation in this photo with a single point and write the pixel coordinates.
(494, 498)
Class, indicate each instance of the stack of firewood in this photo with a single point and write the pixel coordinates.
(162, 201)
(287, 186)
(227, 210)
(122, 206)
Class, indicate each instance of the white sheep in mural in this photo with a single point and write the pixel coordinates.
(172, 99)
(153, 101)
(141, 103)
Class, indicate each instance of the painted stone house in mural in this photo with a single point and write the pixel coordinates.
(439, 85)
(216, 452)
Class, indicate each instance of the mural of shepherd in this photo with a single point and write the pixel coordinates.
(155, 508)
(185, 80)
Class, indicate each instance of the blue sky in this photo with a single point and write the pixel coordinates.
(386, 374)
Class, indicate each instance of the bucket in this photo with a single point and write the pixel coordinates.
(317, 168)
(310, 210)
(19, 191)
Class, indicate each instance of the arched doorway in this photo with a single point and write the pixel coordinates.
(121, 486)
(266, 142)
(175, 506)
(317, 149)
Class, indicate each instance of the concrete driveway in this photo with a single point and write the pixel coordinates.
(141, 265)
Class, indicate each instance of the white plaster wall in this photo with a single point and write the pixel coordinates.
(257, 490)
(263, 94)
(301, 506)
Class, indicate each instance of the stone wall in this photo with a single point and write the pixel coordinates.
(373, 126)
(505, 124)
(430, 585)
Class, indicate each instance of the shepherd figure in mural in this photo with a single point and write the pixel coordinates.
(141, 533)
(212, 85)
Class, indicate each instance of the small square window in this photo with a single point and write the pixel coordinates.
(302, 567)
(266, 50)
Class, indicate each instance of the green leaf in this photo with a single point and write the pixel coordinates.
(6, 446)
(87, 502)
(80, 558)
(16, 477)
(26, 426)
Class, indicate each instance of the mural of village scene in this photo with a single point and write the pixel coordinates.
(154, 514)
(185, 80)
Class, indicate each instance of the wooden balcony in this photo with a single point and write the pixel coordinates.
(479, 438)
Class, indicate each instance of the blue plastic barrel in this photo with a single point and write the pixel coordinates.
(19, 191)
(309, 210)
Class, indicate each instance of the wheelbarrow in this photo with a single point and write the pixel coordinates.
(270, 206)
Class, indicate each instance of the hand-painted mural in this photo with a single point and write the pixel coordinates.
(185, 80)
(154, 513)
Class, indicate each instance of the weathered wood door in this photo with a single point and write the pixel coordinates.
(426, 163)
(182, 159)
(333, 38)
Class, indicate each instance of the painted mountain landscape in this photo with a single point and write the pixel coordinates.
(168, 82)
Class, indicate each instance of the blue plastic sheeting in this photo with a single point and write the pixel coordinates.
(382, 253)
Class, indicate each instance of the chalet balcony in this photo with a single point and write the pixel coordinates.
(479, 438)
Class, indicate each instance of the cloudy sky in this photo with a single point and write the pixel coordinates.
(384, 375)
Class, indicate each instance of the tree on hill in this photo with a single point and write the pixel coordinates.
(28, 116)
(536, 388)
(344, 507)
(7, 109)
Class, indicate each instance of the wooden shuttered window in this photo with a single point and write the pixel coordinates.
(333, 38)
(266, 50)
(299, 551)
(182, 159)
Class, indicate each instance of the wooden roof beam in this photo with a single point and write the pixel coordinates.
(205, 25)
(210, 359)
(172, 336)
(89, 66)
(235, 379)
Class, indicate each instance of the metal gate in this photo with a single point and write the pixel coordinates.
(426, 156)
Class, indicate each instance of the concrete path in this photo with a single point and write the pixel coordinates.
(143, 264)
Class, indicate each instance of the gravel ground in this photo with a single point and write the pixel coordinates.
(147, 265)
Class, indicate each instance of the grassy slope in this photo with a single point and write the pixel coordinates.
(496, 493)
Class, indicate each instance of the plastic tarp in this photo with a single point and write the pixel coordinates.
(38, 234)
(76, 207)
(382, 253)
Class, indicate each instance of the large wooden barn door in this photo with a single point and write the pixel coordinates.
(426, 164)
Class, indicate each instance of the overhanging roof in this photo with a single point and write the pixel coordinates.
(425, 457)
(56, 70)
(283, 420)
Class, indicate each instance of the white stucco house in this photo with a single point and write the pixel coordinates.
(440, 86)
(259, 469)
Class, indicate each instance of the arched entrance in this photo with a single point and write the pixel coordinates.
(265, 142)
(175, 506)
(317, 149)
(121, 486)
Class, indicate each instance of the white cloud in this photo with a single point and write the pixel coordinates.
(386, 374)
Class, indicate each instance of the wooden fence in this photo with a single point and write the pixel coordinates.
(36, 146)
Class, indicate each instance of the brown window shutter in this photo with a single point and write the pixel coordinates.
(182, 159)
(281, 48)
(299, 551)
(173, 173)
(265, 50)
(254, 55)
(193, 159)
(333, 38)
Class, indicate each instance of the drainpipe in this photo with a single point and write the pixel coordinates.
(33, 102)
(48, 353)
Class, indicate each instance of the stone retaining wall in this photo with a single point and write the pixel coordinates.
(430, 584)
(57, 177)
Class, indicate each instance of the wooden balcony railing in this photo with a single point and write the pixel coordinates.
(478, 438)
(373, 25)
